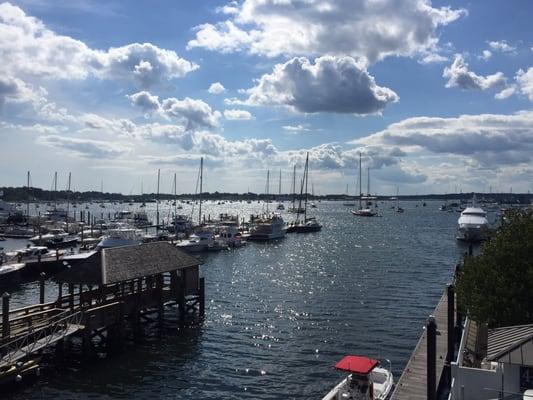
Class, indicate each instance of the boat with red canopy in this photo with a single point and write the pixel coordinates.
(366, 380)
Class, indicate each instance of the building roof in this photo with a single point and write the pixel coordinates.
(357, 365)
(123, 263)
(130, 262)
(511, 344)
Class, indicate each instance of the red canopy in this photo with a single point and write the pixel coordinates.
(357, 364)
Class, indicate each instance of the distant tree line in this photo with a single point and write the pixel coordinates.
(23, 194)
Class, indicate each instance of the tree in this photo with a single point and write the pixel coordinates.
(496, 287)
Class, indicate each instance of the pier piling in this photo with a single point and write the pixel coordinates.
(42, 277)
(431, 329)
(5, 315)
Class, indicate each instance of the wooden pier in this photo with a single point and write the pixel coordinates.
(98, 300)
(413, 383)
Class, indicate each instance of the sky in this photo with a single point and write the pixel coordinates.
(436, 96)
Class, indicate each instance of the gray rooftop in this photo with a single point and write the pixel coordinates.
(511, 344)
(123, 263)
(130, 262)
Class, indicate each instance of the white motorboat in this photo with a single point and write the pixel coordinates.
(27, 254)
(231, 236)
(120, 237)
(268, 227)
(198, 242)
(473, 225)
(366, 380)
(364, 212)
(55, 238)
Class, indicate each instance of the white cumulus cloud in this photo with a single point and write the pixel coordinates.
(459, 75)
(330, 84)
(216, 88)
(361, 28)
(237, 115)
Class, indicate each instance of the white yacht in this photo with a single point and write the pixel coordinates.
(231, 236)
(198, 242)
(473, 225)
(55, 238)
(268, 227)
(366, 380)
(124, 236)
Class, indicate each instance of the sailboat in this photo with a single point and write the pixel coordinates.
(308, 224)
(362, 212)
(280, 203)
(398, 208)
(294, 209)
(268, 226)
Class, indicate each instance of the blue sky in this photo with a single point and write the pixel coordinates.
(435, 95)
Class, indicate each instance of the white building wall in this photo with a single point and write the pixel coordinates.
(472, 383)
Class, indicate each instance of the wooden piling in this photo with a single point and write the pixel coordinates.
(202, 297)
(5, 316)
(431, 374)
(42, 277)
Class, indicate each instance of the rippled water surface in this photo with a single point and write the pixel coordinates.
(280, 314)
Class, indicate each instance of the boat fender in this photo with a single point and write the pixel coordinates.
(18, 378)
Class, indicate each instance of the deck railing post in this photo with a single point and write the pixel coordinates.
(431, 372)
(60, 294)
(42, 276)
(5, 316)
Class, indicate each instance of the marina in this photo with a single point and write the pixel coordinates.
(259, 307)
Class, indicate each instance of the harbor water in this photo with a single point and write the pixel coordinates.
(280, 314)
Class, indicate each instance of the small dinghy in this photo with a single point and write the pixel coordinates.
(366, 381)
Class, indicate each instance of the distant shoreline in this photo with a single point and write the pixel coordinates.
(23, 194)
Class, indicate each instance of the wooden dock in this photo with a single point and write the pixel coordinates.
(122, 286)
(412, 384)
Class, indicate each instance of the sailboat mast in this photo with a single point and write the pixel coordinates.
(175, 197)
(397, 197)
(157, 201)
(28, 201)
(306, 173)
(294, 187)
(279, 188)
(68, 198)
(267, 188)
(368, 181)
(201, 188)
(360, 181)
(55, 189)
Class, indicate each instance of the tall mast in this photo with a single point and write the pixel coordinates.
(360, 181)
(368, 181)
(157, 202)
(279, 188)
(28, 201)
(201, 188)
(175, 198)
(397, 197)
(55, 190)
(267, 188)
(294, 187)
(68, 198)
(306, 173)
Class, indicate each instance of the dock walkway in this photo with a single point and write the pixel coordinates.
(412, 384)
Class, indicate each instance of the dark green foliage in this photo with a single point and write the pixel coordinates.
(496, 287)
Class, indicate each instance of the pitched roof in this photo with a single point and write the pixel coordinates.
(130, 262)
(511, 344)
(123, 263)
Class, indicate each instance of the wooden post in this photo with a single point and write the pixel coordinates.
(57, 255)
(160, 304)
(451, 323)
(181, 296)
(39, 266)
(431, 370)
(202, 297)
(42, 276)
(71, 296)
(5, 316)
(60, 294)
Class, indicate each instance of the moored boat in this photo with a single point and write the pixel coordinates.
(473, 225)
(366, 380)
